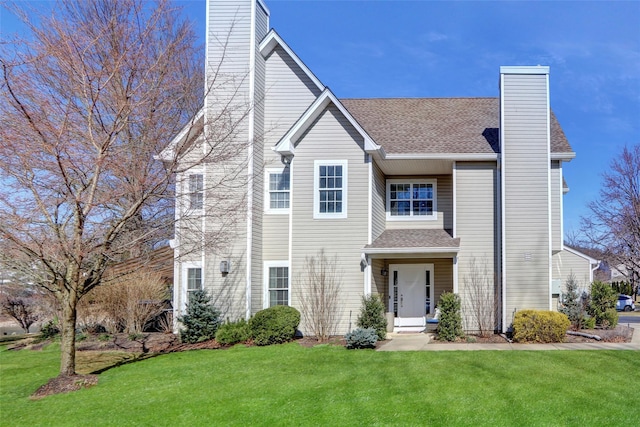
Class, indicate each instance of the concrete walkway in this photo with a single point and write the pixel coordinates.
(421, 342)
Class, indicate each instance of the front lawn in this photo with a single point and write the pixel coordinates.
(293, 385)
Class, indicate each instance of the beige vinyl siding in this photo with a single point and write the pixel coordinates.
(331, 137)
(378, 281)
(566, 263)
(525, 148)
(289, 92)
(476, 226)
(378, 201)
(556, 206)
(444, 205)
(228, 36)
(276, 237)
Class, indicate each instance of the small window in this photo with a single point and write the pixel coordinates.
(194, 281)
(278, 286)
(411, 199)
(278, 190)
(196, 191)
(330, 198)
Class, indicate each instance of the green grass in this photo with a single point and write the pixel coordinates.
(292, 385)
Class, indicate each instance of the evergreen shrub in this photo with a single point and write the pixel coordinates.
(450, 321)
(540, 326)
(233, 332)
(603, 305)
(574, 304)
(274, 325)
(201, 320)
(372, 316)
(361, 338)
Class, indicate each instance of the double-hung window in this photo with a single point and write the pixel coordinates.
(196, 191)
(277, 283)
(278, 185)
(411, 199)
(330, 189)
(194, 281)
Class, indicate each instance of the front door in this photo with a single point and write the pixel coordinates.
(411, 293)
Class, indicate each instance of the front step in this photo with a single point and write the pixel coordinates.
(408, 329)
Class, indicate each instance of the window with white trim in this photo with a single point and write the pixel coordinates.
(411, 199)
(277, 283)
(330, 189)
(278, 186)
(194, 281)
(196, 191)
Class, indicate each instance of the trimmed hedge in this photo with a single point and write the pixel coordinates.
(450, 321)
(233, 332)
(540, 326)
(274, 325)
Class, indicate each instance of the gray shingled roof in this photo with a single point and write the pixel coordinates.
(420, 238)
(437, 125)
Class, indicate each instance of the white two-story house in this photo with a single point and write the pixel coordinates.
(413, 196)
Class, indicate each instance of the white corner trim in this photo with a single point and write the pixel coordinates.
(454, 184)
(503, 227)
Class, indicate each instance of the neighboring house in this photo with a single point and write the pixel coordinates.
(571, 262)
(619, 273)
(408, 193)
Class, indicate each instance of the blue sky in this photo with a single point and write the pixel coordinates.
(455, 49)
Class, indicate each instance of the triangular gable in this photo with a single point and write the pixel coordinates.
(271, 40)
(286, 145)
(580, 254)
(189, 131)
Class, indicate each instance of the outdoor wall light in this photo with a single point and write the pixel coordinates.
(384, 272)
(225, 266)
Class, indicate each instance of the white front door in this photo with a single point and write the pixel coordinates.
(411, 293)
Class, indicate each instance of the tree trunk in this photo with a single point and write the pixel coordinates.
(68, 337)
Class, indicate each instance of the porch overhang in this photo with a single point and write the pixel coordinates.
(411, 243)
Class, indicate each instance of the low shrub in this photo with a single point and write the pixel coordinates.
(274, 325)
(372, 315)
(608, 319)
(540, 326)
(362, 338)
(201, 320)
(49, 330)
(233, 332)
(450, 321)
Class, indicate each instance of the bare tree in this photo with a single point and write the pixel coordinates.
(482, 302)
(319, 285)
(89, 104)
(21, 304)
(614, 222)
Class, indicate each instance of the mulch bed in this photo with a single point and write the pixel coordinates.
(65, 384)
